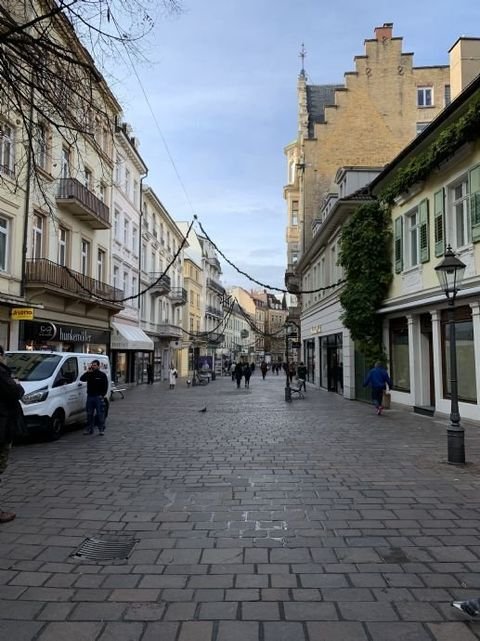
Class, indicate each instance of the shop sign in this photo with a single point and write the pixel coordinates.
(22, 313)
(315, 329)
(47, 331)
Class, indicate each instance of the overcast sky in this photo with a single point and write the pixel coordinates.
(221, 78)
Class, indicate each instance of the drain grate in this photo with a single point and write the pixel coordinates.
(96, 549)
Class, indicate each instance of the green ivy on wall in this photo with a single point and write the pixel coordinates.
(365, 255)
(463, 130)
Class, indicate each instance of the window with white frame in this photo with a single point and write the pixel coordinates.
(424, 96)
(7, 160)
(144, 257)
(459, 220)
(4, 228)
(125, 284)
(294, 219)
(85, 257)
(118, 169)
(412, 245)
(101, 265)
(126, 232)
(102, 193)
(88, 178)
(291, 172)
(116, 277)
(127, 182)
(65, 163)
(62, 252)
(38, 228)
(116, 224)
(134, 288)
(135, 191)
(135, 240)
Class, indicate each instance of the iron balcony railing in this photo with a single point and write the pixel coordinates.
(162, 283)
(83, 203)
(214, 311)
(213, 260)
(178, 295)
(50, 275)
(215, 286)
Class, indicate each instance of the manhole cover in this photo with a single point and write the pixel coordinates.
(95, 549)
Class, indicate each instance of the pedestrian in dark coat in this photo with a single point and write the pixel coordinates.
(97, 387)
(252, 367)
(291, 371)
(247, 373)
(378, 379)
(302, 376)
(264, 369)
(10, 414)
(238, 374)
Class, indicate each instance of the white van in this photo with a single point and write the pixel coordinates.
(54, 395)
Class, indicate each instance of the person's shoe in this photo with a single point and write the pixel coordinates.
(6, 517)
(88, 432)
(101, 432)
(377, 410)
(380, 410)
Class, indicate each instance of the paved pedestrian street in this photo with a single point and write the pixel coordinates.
(256, 520)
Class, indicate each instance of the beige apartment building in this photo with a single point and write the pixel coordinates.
(193, 279)
(383, 103)
(55, 217)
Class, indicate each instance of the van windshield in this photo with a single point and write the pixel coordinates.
(32, 367)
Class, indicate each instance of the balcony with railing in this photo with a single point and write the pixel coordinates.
(45, 274)
(213, 260)
(210, 338)
(162, 284)
(292, 281)
(214, 311)
(215, 286)
(178, 295)
(82, 203)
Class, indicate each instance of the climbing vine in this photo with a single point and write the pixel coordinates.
(365, 255)
(446, 143)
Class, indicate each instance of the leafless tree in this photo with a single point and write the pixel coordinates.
(53, 54)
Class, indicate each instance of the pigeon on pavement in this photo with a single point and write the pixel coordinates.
(470, 606)
(204, 409)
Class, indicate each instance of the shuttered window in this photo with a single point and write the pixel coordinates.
(424, 231)
(439, 222)
(398, 244)
(474, 201)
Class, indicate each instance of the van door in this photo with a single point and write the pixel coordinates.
(67, 385)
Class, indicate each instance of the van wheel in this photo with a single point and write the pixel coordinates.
(56, 425)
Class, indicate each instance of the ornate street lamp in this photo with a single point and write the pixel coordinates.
(450, 274)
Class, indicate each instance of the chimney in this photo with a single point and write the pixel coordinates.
(464, 63)
(385, 32)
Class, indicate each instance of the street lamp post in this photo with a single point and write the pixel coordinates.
(450, 274)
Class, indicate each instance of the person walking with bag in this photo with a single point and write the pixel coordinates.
(10, 414)
(247, 372)
(378, 379)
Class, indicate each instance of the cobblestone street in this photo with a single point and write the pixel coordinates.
(254, 521)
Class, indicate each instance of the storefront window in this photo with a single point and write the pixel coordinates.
(399, 357)
(121, 367)
(323, 362)
(310, 359)
(467, 384)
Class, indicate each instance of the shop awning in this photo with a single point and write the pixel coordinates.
(129, 337)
